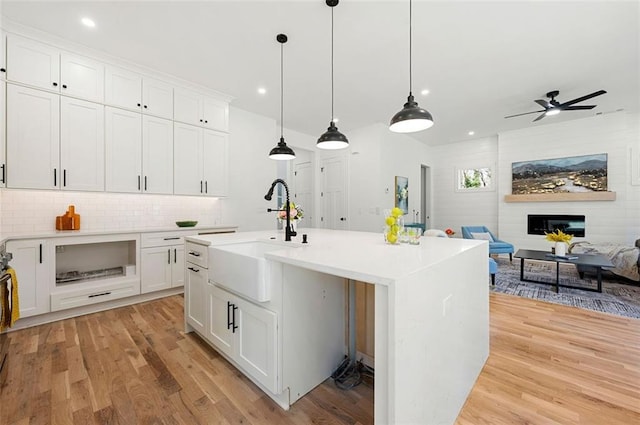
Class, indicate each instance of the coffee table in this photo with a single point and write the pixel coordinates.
(591, 260)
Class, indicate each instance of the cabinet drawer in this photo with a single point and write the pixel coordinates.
(197, 254)
(165, 238)
(94, 295)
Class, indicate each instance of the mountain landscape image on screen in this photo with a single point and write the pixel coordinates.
(587, 173)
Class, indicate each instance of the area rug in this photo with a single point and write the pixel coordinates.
(616, 298)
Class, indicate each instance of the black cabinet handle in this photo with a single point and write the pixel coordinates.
(64, 177)
(40, 253)
(200, 186)
(138, 182)
(145, 183)
(172, 239)
(168, 256)
(229, 321)
(99, 295)
(193, 270)
(3, 70)
(343, 219)
(175, 255)
(195, 254)
(234, 327)
(3, 170)
(55, 177)
(206, 187)
(64, 86)
(55, 84)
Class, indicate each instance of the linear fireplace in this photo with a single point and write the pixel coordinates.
(571, 224)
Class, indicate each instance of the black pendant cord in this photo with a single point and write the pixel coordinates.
(410, 51)
(332, 64)
(281, 90)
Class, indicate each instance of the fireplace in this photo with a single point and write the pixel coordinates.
(538, 224)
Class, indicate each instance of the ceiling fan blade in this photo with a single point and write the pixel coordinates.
(540, 117)
(580, 99)
(542, 103)
(578, 107)
(526, 113)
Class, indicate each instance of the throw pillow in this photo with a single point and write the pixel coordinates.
(484, 236)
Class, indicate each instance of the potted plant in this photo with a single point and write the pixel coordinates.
(561, 240)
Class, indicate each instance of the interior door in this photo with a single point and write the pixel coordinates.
(334, 193)
(425, 197)
(303, 191)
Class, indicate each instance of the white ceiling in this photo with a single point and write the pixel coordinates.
(480, 60)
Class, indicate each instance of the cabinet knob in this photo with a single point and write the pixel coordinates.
(55, 84)
(145, 106)
(200, 120)
(342, 219)
(64, 86)
(138, 104)
(3, 70)
(205, 121)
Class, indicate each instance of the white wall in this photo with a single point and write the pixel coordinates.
(606, 221)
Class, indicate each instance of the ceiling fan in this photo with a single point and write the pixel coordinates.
(553, 107)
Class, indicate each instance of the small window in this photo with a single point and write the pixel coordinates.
(474, 179)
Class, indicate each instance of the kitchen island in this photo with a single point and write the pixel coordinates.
(431, 315)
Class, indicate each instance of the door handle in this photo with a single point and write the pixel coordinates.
(229, 321)
(145, 183)
(169, 256)
(40, 253)
(206, 186)
(55, 177)
(3, 166)
(175, 255)
(138, 182)
(64, 177)
(234, 327)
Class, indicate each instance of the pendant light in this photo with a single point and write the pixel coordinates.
(282, 152)
(412, 117)
(332, 138)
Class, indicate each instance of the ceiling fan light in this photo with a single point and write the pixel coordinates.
(411, 118)
(282, 152)
(552, 111)
(332, 139)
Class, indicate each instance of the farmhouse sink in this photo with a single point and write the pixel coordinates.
(242, 267)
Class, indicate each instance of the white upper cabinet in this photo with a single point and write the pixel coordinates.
(157, 98)
(123, 88)
(81, 144)
(81, 77)
(123, 150)
(32, 63)
(33, 138)
(157, 151)
(187, 150)
(3, 56)
(194, 108)
(214, 156)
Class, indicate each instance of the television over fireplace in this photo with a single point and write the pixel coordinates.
(539, 224)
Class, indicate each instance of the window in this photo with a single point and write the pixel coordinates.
(474, 179)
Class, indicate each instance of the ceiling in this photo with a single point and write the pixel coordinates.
(480, 60)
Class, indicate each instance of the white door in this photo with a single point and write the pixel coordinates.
(123, 150)
(31, 263)
(303, 191)
(157, 98)
(256, 342)
(214, 162)
(219, 331)
(33, 63)
(187, 168)
(81, 77)
(177, 266)
(196, 297)
(123, 88)
(334, 193)
(215, 114)
(81, 144)
(156, 268)
(186, 107)
(3, 164)
(157, 151)
(33, 138)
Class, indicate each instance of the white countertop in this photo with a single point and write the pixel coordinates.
(360, 256)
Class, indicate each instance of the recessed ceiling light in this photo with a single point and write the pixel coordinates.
(471, 133)
(424, 92)
(88, 22)
(262, 90)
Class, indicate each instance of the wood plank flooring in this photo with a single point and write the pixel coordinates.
(549, 364)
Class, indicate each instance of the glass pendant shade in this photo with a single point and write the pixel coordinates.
(411, 118)
(282, 152)
(332, 139)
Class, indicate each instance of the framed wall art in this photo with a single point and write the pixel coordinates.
(402, 194)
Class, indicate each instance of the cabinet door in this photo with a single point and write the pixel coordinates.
(123, 88)
(187, 168)
(214, 156)
(196, 297)
(177, 266)
(186, 107)
(81, 144)
(32, 63)
(123, 150)
(256, 342)
(3, 164)
(220, 314)
(33, 138)
(3, 56)
(81, 77)
(30, 261)
(157, 150)
(156, 268)
(215, 114)
(157, 98)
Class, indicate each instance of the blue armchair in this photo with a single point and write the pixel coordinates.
(496, 246)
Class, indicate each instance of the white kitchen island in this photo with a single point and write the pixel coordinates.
(431, 312)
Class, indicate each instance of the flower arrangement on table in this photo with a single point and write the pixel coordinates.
(295, 212)
(449, 231)
(558, 236)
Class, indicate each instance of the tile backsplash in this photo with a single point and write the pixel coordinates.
(35, 211)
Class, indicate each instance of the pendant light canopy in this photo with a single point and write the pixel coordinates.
(412, 117)
(332, 138)
(282, 152)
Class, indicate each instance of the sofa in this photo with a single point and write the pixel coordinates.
(626, 259)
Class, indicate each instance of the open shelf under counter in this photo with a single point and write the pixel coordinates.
(562, 197)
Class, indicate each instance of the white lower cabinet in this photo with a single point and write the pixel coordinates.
(195, 298)
(246, 333)
(31, 261)
(162, 261)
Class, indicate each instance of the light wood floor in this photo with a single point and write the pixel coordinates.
(549, 364)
